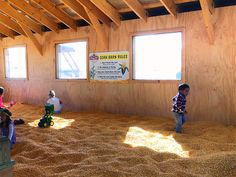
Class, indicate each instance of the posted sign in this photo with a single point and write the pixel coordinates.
(109, 66)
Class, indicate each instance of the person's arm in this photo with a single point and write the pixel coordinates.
(1, 104)
(49, 101)
(11, 129)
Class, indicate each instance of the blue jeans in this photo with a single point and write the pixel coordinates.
(180, 119)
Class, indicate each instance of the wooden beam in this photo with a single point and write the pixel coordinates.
(5, 20)
(6, 31)
(137, 7)
(53, 10)
(19, 17)
(35, 13)
(93, 9)
(78, 9)
(170, 6)
(102, 38)
(107, 9)
(146, 5)
(36, 43)
(207, 11)
(154, 5)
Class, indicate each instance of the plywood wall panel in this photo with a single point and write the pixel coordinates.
(209, 69)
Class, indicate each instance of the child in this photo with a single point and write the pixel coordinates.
(178, 107)
(1, 99)
(55, 101)
(7, 126)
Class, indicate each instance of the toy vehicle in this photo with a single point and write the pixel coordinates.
(46, 120)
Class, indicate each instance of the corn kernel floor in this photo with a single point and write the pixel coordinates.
(107, 145)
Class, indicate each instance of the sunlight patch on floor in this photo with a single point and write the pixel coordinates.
(138, 137)
(59, 123)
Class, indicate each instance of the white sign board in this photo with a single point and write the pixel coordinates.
(109, 66)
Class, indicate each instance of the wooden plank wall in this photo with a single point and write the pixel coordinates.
(210, 71)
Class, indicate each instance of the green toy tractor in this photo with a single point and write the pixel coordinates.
(46, 120)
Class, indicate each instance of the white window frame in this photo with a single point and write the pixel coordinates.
(56, 60)
(26, 60)
(164, 31)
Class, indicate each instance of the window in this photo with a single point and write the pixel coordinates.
(71, 60)
(15, 62)
(157, 56)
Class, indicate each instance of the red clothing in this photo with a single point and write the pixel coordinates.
(1, 103)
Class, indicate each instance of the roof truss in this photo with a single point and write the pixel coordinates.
(19, 17)
(28, 16)
(35, 13)
(138, 8)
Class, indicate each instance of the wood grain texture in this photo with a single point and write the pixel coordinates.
(207, 12)
(210, 71)
(137, 7)
(12, 12)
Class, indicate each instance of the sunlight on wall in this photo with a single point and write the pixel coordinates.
(138, 137)
(59, 123)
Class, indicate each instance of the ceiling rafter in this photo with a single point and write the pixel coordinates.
(35, 14)
(78, 9)
(6, 31)
(31, 36)
(145, 6)
(170, 6)
(19, 17)
(53, 10)
(88, 4)
(138, 8)
(93, 9)
(6, 21)
(109, 10)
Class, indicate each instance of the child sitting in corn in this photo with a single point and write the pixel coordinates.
(55, 101)
(1, 99)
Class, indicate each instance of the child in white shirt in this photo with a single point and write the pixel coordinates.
(55, 101)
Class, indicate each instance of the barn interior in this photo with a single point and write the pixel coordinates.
(120, 126)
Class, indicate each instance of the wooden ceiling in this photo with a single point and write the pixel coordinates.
(26, 17)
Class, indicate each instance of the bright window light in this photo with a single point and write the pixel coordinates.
(157, 56)
(15, 62)
(72, 60)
